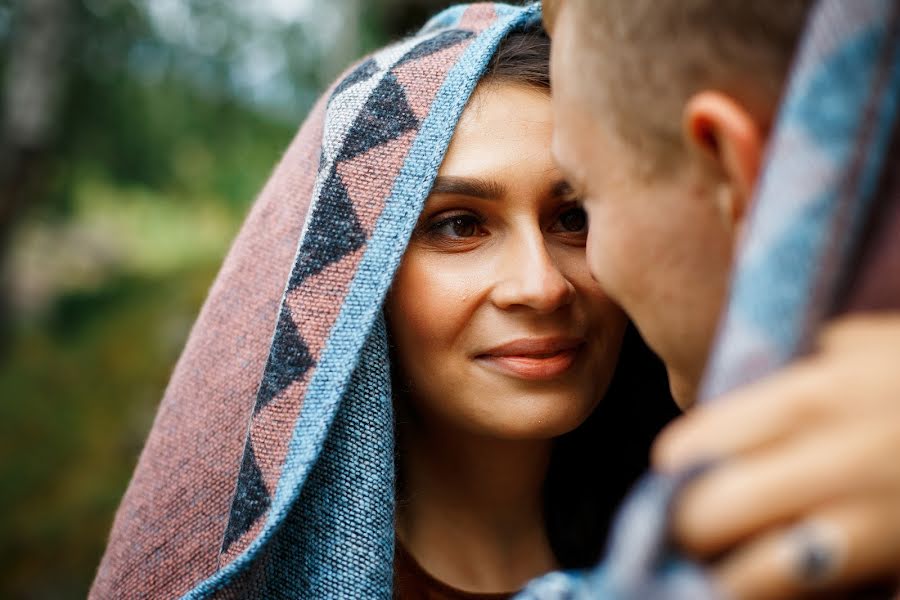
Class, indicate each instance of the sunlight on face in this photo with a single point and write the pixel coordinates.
(497, 326)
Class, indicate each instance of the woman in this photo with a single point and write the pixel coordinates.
(502, 342)
(502, 347)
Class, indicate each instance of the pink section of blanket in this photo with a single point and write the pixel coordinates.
(169, 527)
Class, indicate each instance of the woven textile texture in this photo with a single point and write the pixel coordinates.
(269, 471)
(823, 239)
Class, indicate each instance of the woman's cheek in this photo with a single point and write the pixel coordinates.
(605, 315)
(574, 265)
(433, 300)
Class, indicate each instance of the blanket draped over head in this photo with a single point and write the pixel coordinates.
(269, 471)
(823, 240)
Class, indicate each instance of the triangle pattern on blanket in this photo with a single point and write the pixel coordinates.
(270, 433)
(441, 41)
(316, 304)
(370, 145)
(370, 177)
(385, 116)
(251, 499)
(424, 77)
(478, 17)
(361, 73)
(289, 359)
(333, 232)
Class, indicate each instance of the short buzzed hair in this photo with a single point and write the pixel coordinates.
(648, 57)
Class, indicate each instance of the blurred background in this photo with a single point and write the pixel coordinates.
(134, 134)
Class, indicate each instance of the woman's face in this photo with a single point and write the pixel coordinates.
(496, 323)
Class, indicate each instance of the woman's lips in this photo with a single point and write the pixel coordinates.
(533, 358)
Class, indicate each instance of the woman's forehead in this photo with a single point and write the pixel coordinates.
(500, 102)
(502, 125)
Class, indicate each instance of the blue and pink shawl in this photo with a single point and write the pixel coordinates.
(269, 471)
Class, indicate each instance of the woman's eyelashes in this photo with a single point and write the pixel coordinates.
(571, 226)
(461, 229)
(459, 225)
(573, 219)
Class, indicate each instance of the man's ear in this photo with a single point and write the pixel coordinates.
(725, 132)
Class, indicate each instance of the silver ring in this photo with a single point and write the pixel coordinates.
(816, 552)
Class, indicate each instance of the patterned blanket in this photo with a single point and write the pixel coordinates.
(269, 471)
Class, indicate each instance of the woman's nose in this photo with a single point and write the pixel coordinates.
(529, 277)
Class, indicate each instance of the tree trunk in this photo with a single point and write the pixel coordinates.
(31, 100)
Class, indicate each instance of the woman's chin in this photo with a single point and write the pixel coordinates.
(533, 408)
(531, 418)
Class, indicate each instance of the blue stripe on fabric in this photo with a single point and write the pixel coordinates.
(829, 104)
(374, 275)
(443, 20)
(774, 293)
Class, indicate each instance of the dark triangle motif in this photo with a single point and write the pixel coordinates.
(251, 500)
(361, 73)
(439, 42)
(289, 360)
(385, 116)
(333, 232)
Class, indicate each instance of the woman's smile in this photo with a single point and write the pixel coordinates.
(533, 358)
(498, 327)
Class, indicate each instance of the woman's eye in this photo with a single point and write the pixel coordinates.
(573, 220)
(459, 226)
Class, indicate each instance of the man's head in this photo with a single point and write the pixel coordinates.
(662, 108)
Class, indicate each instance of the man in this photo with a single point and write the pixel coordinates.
(663, 110)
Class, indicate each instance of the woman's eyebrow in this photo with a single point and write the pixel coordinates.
(562, 189)
(474, 187)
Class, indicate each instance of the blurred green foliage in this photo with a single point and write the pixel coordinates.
(145, 183)
(171, 115)
(79, 397)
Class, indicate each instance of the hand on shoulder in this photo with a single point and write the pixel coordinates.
(807, 494)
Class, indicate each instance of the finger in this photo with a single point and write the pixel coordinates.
(746, 419)
(780, 483)
(862, 330)
(842, 546)
(853, 382)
